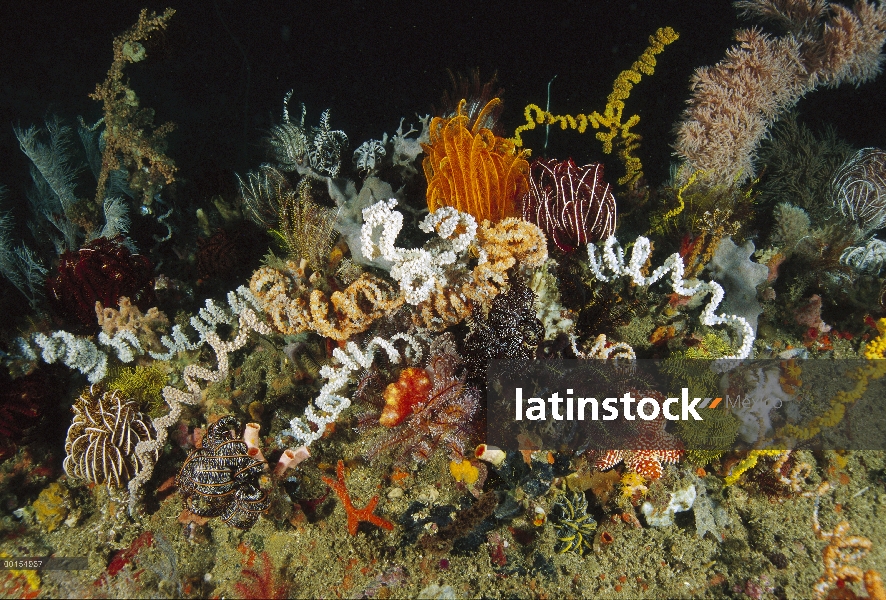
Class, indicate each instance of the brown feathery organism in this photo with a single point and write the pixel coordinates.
(129, 135)
(302, 226)
(101, 440)
(444, 418)
(476, 94)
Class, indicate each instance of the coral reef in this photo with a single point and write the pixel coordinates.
(828, 44)
(362, 342)
(145, 326)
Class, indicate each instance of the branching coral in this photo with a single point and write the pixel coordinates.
(611, 121)
(614, 260)
(127, 134)
(282, 294)
(145, 326)
(735, 101)
(471, 169)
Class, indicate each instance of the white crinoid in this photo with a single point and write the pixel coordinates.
(101, 441)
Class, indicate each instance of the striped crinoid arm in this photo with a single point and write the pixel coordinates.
(571, 204)
(101, 440)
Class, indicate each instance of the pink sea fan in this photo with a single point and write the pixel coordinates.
(572, 205)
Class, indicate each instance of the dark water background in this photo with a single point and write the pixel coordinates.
(222, 67)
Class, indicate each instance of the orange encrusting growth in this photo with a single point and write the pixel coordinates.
(472, 169)
(402, 396)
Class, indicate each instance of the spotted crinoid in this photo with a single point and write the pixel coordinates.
(575, 527)
(101, 441)
(221, 479)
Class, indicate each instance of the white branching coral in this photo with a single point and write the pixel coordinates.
(604, 349)
(240, 312)
(329, 404)
(81, 353)
(613, 259)
(419, 271)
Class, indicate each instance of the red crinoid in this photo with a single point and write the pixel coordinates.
(572, 205)
(262, 583)
(23, 402)
(439, 414)
(102, 270)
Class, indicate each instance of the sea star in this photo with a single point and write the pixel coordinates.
(652, 447)
(355, 515)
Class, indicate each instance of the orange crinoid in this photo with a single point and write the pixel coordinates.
(471, 169)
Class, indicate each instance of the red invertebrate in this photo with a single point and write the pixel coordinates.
(103, 270)
(650, 448)
(23, 402)
(444, 417)
(404, 395)
(226, 255)
(572, 205)
(261, 584)
(355, 515)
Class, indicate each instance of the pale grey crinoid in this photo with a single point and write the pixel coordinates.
(101, 440)
(859, 189)
(297, 149)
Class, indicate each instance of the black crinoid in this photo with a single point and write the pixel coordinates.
(510, 331)
(221, 479)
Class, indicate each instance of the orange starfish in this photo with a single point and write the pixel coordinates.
(355, 515)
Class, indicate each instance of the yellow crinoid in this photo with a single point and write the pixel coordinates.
(471, 169)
